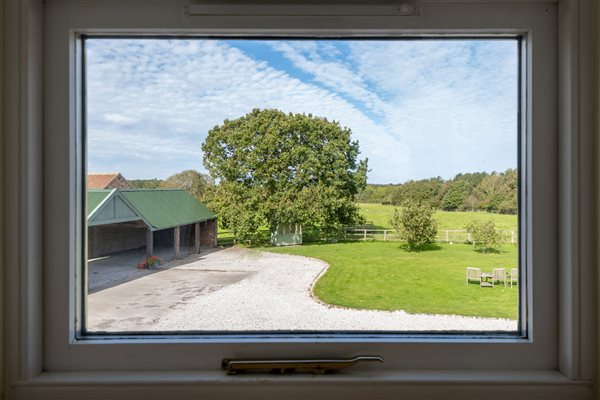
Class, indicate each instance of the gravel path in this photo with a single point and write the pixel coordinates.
(276, 296)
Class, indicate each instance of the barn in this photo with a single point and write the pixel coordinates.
(126, 219)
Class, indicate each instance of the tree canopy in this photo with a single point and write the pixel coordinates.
(424, 191)
(193, 181)
(145, 183)
(275, 168)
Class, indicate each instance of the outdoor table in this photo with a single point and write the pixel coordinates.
(486, 279)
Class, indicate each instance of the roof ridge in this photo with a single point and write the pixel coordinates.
(152, 190)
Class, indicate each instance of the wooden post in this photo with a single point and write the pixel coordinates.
(216, 233)
(365, 234)
(197, 237)
(384, 235)
(90, 246)
(447, 236)
(149, 243)
(512, 237)
(176, 244)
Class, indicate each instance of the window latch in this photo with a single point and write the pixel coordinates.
(317, 366)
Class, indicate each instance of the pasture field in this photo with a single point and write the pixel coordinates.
(380, 215)
(383, 276)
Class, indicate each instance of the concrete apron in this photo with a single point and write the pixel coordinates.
(138, 304)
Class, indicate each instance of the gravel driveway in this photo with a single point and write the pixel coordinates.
(247, 290)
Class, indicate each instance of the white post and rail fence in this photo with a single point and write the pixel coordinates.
(364, 233)
(444, 235)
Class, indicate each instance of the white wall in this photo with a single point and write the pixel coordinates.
(1, 205)
(597, 199)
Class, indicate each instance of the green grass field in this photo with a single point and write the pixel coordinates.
(383, 276)
(380, 215)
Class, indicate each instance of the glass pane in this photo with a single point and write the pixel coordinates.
(302, 185)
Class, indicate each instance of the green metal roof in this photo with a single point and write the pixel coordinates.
(95, 197)
(160, 208)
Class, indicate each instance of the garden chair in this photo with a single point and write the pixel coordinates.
(473, 274)
(499, 275)
(514, 276)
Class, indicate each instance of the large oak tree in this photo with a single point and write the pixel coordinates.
(275, 168)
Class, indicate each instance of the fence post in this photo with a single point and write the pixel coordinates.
(384, 235)
(365, 234)
(345, 232)
(512, 237)
(447, 236)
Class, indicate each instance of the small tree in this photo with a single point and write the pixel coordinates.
(416, 224)
(484, 234)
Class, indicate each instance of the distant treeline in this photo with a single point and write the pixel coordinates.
(495, 192)
(196, 183)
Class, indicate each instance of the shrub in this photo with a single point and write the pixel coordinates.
(484, 234)
(416, 224)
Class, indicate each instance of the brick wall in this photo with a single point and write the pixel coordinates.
(104, 240)
(208, 233)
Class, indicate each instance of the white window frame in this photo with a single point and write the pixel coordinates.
(41, 142)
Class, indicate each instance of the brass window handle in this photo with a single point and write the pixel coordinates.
(319, 366)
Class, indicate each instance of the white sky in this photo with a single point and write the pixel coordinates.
(419, 108)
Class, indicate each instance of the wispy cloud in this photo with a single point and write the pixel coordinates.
(119, 119)
(416, 110)
(455, 102)
(325, 62)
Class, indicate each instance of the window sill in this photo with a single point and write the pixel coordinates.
(349, 384)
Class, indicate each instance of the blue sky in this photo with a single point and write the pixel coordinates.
(419, 108)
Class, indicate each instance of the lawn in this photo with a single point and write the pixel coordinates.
(383, 276)
(380, 215)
